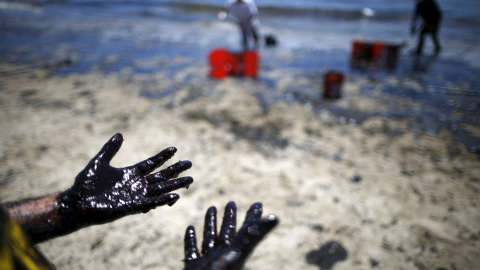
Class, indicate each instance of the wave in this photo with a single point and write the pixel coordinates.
(272, 11)
(325, 13)
(276, 11)
(8, 5)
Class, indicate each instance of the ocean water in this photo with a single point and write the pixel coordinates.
(305, 25)
(152, 36)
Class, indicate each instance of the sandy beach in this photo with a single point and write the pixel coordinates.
(390, 197)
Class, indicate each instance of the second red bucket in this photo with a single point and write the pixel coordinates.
(332, 85)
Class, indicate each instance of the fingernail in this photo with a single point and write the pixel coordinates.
(271, 221)
(271, 217)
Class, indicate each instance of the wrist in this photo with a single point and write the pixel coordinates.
(68, 211)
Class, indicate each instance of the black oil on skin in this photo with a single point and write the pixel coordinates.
(102, 193)
(229, 249)
(328, 254)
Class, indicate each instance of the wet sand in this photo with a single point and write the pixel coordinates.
(384, 195)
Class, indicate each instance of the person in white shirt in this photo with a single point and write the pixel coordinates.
(245, 14)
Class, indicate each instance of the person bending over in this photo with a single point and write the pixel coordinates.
(431, 16)
(245, 14)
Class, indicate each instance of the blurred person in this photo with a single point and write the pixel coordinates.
(245, 14)
(431, 15)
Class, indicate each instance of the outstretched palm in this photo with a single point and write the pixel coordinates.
(102, 193)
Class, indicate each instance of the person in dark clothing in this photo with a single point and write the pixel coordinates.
(431, 15)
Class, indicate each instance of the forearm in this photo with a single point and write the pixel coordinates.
(41, 218)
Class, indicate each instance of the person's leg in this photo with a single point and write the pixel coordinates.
(244, 37)
(255, 36)
(438, 48)
(421, 38)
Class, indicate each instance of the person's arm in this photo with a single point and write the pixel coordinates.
(222, 15)
(229, 250)
(101, 194)
(253, 12)
(253, 8)
(33, 215)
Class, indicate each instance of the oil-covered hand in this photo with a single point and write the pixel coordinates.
(229, 250)
(102, 193)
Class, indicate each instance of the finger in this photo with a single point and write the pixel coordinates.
(170, 172)
(149, 165)
(227, 232)
(254, 213)
(110, 148)
(209, 230)
(151, 203)
(251, 234)
(191, 251)
(169, 186)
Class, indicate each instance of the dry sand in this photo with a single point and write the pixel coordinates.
(391, 197)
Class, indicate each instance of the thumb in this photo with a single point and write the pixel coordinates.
(110, 148)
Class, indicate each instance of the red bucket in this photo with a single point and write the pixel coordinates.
(219, 63)
(333, 81)
(377, 51)
(224, 63)
(235, 62)
(361, 50)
